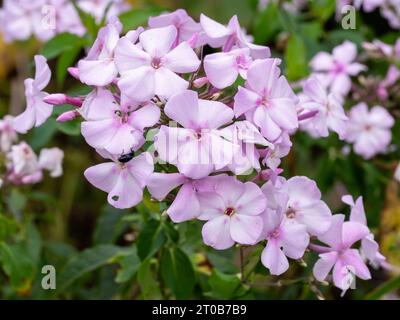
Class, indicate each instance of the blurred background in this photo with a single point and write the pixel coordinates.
(67, 223)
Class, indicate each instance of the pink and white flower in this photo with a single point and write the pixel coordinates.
(152, 66)
(124, 182)
(300, 201)
(267, 99)
(369, 247)
(161, 184)
(185, 25)
(284, 240)
(8, 135)
(37, 111)
(51, 160)
(199, 147)
(116, 128)
(231, 36)
(232, 213)
(334, 70)
(330, 114)
(98, 68)
(345, 261)
(223, 68)
(369, 130)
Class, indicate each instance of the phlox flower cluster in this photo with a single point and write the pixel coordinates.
(221, 123)
(19, 163)
(43, 19)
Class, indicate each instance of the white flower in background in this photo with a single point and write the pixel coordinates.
(51, 160)
(23, 159)
(7, 133)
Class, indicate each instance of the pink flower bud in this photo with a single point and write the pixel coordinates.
(68, 116)
(60, 99)
(74, 72)
(198, 83)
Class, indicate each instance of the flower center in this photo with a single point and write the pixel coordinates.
(229, 211)
(275, 234)
(124, 116)
(290, 213)
(156, 63)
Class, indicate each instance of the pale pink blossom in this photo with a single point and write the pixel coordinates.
(369, 130)
(232, 213)
(152, 67)
(335, 70)
(98, 68)
(37, 111)
(280, 148)
(199, 147)
(124, 182)
(161, 184)
(231, 36)
(267, 99)
(114, 127)
(51, 160)
(185, 25)
(300, 201)
(369, 247)
(345, 261)
(247, 136)
(8, 135)
(284, 240)
(330, 114)
(223, 68)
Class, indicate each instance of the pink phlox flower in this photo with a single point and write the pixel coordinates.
(185, 25)
(124, 182)
(98, 68)
(283, 240)
(267, 99)
(152, 66)
(51, 160)
(345, 261)
(231, 36)
(247, 136)
(280, 148)
(300, 201)
(161, 184)
(232, 213)
(98, 8)
(8, 135)
(114, 127)
(330, 114)
(334, 70)
(369, 247)
(198, 147)
(37, 111)
(223, 68)
(369, 130)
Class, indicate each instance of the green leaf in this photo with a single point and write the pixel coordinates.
(66, 59)
(71, 128)
(389, 286)
(149, 286)
(61, 43)
(43, 134)
(7, 227)
(295, 57)
(85, 262)
(107, 223)
(137, 17)
(177, 272)
(17, 265)
(150, 239)
(266, 25)
(88, 21)
(225, 286)
(129, 266)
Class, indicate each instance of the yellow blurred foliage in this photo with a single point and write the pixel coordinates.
(7, 53)
(390, 225)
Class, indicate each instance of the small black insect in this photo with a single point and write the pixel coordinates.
(126, 157)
